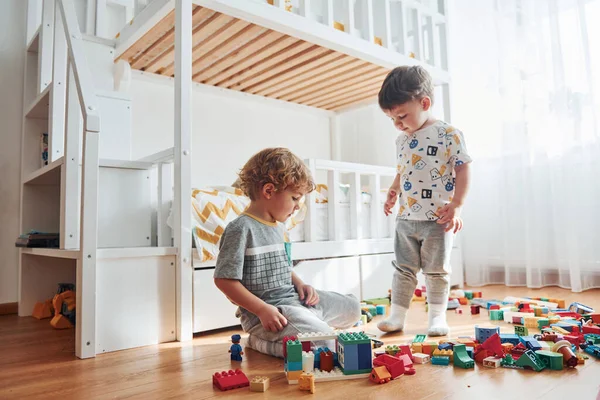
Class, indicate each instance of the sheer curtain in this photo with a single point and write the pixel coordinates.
(526, 89)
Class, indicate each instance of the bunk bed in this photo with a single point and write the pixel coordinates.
(326, 54)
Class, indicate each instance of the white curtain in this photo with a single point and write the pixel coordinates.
(526, 92)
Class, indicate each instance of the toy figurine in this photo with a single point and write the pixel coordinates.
(236, 349)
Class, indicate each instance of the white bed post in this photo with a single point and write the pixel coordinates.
(350, 16)
(329, 16)
(387, 40)
(69, 183)
(183, 167)
(355, 207)
(90, 17)
(46, 45)
(376, 210)
(370, 22)
(305, 8)
(58, 96)
(164, 199)
(310, 224)
(333, 183)
(101, 18)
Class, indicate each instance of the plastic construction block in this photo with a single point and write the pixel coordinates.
(542, 322)
(306, 381)
(563, 347)
(285, 340)
(292, 376)
(228, 380)
(468, 294)
(552, 360)
(419, 338)
(445, 346)
(421, 358)
(475, 309)
(378, 301)
(354, 338)
(335, 374)
(482, 334)
(497, 315)
(380, 375)
(529, 360)
(381, 309)
(440, 360)
(445, 353)
(365, 357)
(394, 365)
(312, 336)
(530, 343)
(461, 358)
(42, 310)
(592, 350)
(294, 351)
(493, 345)
(521, 330)
(592, 338)
(392, 350)
(580, 308)
(326, 360)
(492, 362)
(509, 338)
(259, 384)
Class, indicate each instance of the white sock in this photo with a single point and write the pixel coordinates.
(437, 320)
(395, 321)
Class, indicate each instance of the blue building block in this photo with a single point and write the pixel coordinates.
(509, 338)
(470, 352)
(294, 366)
(445, 346)
(440, 360)
(318, 356)
(365, 357)
(348, 357)
(483, 334)
(380, 309)
(530, 343)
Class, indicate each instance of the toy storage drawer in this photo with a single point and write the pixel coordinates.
(212, 310)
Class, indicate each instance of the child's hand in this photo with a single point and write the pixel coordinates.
(392, 196)
(450, 216)
(271, 319)
(308, 294)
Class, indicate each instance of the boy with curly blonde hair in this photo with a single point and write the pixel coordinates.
(254, 268)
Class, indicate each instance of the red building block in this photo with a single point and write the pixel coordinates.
(405, 349)
(326, 361)
(394, 365)
(474, 309)
(493, 345)
(591, 329)
(228, 380)
(495, 307)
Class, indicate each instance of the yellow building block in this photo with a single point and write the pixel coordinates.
(339, 26)
(445, 353)
(259, 384)
(416, 348)
(293, 375)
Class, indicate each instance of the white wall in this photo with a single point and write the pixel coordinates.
(12, 59)
(227, 128)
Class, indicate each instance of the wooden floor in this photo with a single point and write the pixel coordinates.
(38, 362)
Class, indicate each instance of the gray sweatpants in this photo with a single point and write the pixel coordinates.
(334, 310)
(421, 245)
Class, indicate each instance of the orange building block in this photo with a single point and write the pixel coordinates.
(42, 310)
(380, 375)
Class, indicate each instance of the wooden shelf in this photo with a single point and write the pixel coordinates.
(130, 252)
(40, 107)
(48, 175)
(33, 45)
(57, 253)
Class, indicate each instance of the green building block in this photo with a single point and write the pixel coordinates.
(469, 294)
(552, 360)
(543, 322)
(353, 338)
(496, 315)
(378, 301)
(461, 358)
(392, 350)
(419, 338)
(530, 360)
(294, 350)
(521, 330)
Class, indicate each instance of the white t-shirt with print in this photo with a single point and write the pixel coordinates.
(426, 161)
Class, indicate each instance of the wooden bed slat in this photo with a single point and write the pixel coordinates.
(287, 69)
(199, 34)
(221, 36)
(239, 40)
(325, 66)
(253, 66)
(323, 89)
(368, 87)
(166, 41)
(237, 57)
(351, 101)
(322, 79)
(163, 27)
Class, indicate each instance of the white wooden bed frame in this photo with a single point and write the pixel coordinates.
(132, 278)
